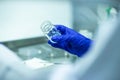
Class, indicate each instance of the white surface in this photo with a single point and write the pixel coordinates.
(11, 65)
(36, 63)
(22, 19)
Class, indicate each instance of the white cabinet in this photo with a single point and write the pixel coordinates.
(22, 19)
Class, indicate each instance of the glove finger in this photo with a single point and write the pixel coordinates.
(52, 44)
(49, 42)
(56, 38)
(61, 28)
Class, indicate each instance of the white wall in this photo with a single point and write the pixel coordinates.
(22, 19)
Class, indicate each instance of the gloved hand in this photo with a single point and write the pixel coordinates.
(70, 41)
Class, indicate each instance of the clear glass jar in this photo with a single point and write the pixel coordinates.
(49, 30)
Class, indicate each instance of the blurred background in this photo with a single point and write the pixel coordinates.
(20, 22)
(20, 26)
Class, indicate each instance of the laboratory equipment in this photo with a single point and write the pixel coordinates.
(49, 30)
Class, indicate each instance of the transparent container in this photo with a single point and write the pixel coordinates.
(49, 30)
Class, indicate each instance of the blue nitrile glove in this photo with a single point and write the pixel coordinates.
(70, 41)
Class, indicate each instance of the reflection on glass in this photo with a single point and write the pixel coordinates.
(49, 30)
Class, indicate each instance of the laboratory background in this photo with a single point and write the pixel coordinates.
(26, 55)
